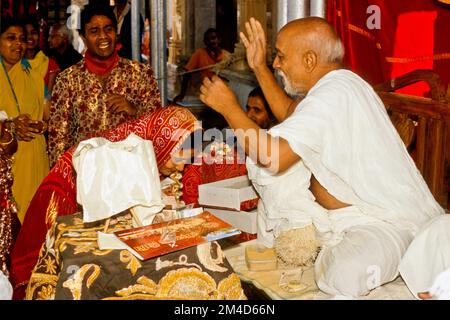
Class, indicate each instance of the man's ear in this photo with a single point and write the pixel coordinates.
(310, 61)
(84, 40)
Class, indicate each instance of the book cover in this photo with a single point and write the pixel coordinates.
(166, 237)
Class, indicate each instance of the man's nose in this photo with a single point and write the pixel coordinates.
(102, 34)
(275, 63)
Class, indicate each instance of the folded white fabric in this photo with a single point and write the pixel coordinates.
(427, 256)
(115, 176)
(440, 290)
(6, 290)
(364, 256)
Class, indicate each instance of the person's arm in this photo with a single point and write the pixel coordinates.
(149, 95)
(8, 142)
(60, 122)
(255, 45)
(273, 153)
(184, 86)
(52, 72)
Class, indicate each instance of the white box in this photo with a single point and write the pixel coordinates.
(227, 194)
(245, 221)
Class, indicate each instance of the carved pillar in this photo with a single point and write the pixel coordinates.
(247, 9)
(177, 35)
(187, 26)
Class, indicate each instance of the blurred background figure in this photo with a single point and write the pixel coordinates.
(123, 14)
(61, 48)
(211, 54)
(38, 60)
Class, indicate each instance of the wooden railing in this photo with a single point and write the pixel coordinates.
(431, 116)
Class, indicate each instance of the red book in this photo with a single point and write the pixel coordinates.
(166, 237)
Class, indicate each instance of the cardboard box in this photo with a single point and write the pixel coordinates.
(243, 220)
(227, 194)
(195, 175)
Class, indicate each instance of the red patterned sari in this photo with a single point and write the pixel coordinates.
(56, 196)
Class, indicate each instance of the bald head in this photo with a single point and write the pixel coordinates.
(315, 34)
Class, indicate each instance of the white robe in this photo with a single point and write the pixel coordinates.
(342, 132)
(285, 202)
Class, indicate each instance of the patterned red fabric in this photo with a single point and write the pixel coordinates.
(165, 127)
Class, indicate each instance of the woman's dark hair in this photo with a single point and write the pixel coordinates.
(33, 20)
(97, 9)
(8, 22)
(257, 92)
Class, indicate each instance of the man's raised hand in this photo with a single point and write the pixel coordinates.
(217, 95)
(255, 44)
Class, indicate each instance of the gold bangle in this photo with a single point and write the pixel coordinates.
(44, 127)
(8, 142)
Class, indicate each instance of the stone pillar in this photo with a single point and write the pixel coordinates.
(205, 18)
(318, 8)
(247, 9)
(288, 10)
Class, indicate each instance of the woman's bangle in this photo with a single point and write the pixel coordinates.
(7, 142)
(44, 127)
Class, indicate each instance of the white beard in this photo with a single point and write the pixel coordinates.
(288, 87)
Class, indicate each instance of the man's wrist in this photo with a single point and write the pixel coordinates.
(233, 110)
(260, 69)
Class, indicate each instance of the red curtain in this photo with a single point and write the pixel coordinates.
(412, 34)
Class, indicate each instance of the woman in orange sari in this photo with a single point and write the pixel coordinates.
(56, 195)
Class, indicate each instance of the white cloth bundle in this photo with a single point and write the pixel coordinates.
(115, 176)
(6, 290)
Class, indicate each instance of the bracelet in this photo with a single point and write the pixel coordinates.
(8, 142)
(44, 127)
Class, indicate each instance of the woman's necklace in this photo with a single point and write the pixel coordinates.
(11, 86)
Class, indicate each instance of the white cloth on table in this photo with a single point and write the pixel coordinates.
(343, 134)
(115, 176)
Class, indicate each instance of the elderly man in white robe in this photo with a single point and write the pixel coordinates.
(340, 135)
